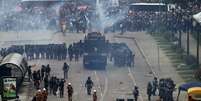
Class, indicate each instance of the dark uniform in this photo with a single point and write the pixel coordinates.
(29, 73)
(46, 82)
(89, 84)
(61, 88)
(149, 91)
(48, 69)
(155, 86)
(136, 93)
(65, 70)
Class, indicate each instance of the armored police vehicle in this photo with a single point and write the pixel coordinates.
(95, 51)
(122, 55)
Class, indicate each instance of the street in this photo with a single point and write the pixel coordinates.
(120, 50)
(112, 83)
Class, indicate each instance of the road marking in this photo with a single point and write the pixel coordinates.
(145, 58)
(129, 70)
(99, 86)
(105, 90)
(97, 79)
(134, 80)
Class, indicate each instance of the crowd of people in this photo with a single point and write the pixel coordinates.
(52, 85)
(40, 17)
(73, 17)
(121, 55)
(178, 19)
(40, 95)
(49, 51)
(76, 50)
(165, 88)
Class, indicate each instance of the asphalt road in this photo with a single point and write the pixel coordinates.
(112, 83)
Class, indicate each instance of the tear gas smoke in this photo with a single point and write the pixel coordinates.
(103, 10)
(16, 16)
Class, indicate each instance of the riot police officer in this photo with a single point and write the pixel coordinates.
(89, 84)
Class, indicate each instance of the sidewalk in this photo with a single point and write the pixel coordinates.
(149, 48)
(162, 68)
(192, 45)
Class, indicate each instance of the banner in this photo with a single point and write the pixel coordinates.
(9, 88)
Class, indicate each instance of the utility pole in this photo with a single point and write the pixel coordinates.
(196, 28)
(159, 68)
(198, 45)
(180, 37)
(188, 33)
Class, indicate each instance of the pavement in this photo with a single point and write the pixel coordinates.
(112, 83)
(192, 45)
(155, 58)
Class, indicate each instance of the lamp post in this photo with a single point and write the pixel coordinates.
(198, 44)
(196, 26)
(188, 34)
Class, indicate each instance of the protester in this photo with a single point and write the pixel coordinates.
(149, 91)
(46, 82)
(136, 93)
(29, 73)
(61, 88)
(70, 92)
(95, 96)
(89, 84)
(155, 85)
(65, 70)
(44, 94)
